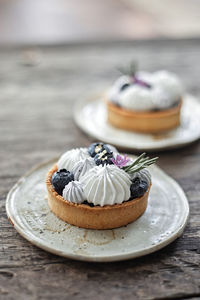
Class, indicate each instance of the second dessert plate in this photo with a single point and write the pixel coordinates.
(29, 213)
(91, 117)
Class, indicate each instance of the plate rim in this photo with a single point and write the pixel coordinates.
(108, 258)
(81, 103)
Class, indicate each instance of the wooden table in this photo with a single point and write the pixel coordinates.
(37, 90)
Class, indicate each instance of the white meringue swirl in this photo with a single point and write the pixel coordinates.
(113, 93)
(137, 98)
(83, 166)
(106, 185)
(143, 174)
(73, 192)
(71, 157)
(167, 89)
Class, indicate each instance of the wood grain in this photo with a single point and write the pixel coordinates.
(37, 93)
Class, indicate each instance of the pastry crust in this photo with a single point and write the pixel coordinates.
(82, 215)
(145, 122)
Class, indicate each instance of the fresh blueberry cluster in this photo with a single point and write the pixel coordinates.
(103, 158)
(96, 148)
(101, 153)
(138, 188)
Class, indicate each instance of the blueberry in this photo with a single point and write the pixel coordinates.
(138, 188)
(96, 148)
(103, 158)
(60, 179)
(87, 203)
(124, 86)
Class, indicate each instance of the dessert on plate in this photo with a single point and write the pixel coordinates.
(145, 102)
(98, 188)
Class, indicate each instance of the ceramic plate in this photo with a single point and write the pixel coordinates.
(163, 221)
(91, 117)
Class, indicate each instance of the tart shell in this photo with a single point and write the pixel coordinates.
(144, 122)
(97, 217)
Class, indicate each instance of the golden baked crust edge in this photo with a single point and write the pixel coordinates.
(145, 122)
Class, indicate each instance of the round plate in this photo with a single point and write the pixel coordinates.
(91, 117)
(163, 221)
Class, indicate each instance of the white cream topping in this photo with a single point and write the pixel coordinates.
(73, 192)
(113, 93)
(106, 185)
(144, 174)
(83, 166)
(136, 98)
(166, 90)
(70, 158)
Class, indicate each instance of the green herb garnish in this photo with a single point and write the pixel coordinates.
(140, 163)
(131, 70)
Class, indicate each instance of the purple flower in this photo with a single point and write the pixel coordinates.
(120, 161)
(141, 82)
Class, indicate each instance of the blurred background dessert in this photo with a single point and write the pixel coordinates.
(145, 102)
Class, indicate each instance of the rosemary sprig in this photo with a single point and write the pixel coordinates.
(130, 71)
(140, 163)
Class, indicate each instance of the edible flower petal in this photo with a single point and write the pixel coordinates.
(120, 161)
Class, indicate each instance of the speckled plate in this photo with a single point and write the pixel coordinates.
(91, 117)
(163, 221)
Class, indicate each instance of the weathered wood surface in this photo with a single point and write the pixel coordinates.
(36, 124)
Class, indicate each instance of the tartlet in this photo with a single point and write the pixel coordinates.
(145, 102)
(82, 215)
(87, 215)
